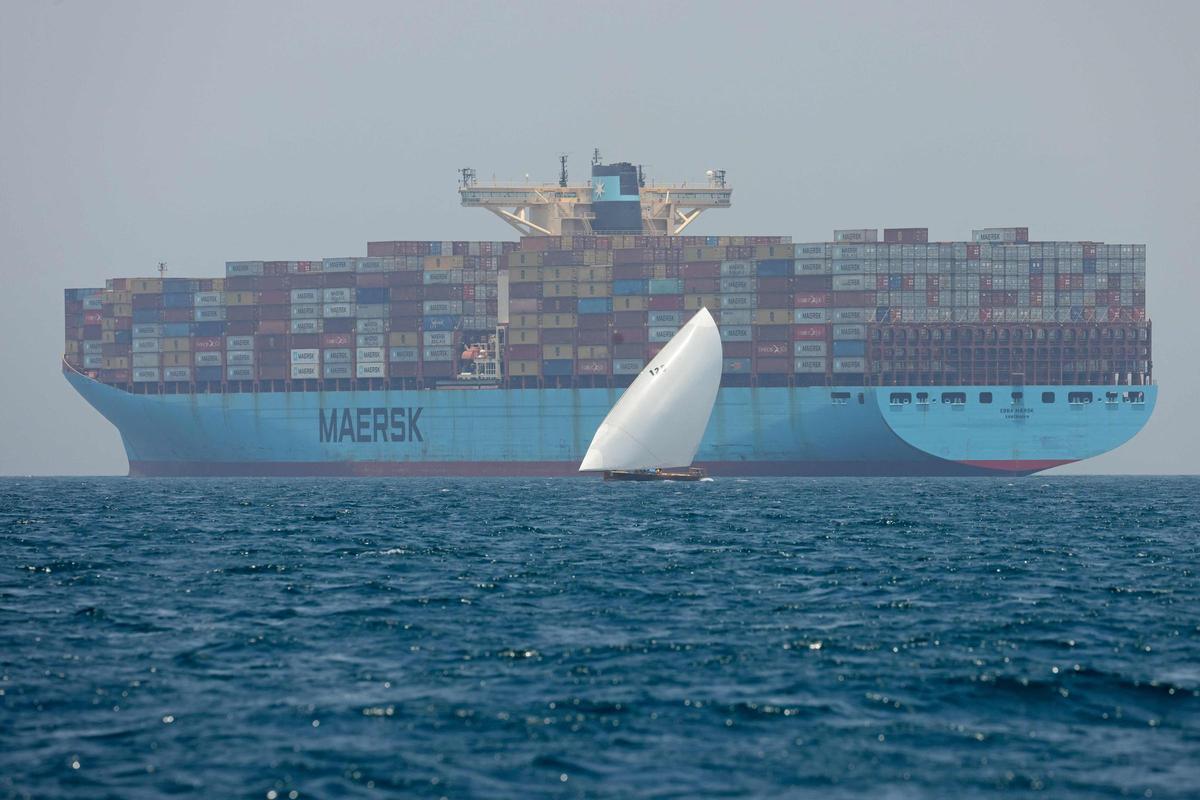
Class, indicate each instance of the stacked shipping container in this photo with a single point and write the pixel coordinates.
(591, 310)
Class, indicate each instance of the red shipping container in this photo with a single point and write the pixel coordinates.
(628, 335)
(635, 350)
(654, 349)
(933, 281)
(274, 297)
(774, 284)
(666, 302)
(310, 280)
(558, 336)
(340, 325)
(405, 278)
(810, 300)
(593, 336)
(304, 341)
(806, 332)
(337, 340)
(241, 283)
(908, 283)
(625, 319)
(881, 282)
(973, 252)
(92, 318)
(773, 348)
(271, 326)
(630, 256)
(176, 315)
(737, 349)
(208, 343)
(274, 312)
(985, 282)
(340, 280)
(772, 366)
(524, 352)
(931, 298)
(631, 272)
(596, 322)
(700, 269)
(592, 366)
(372, 280)
(985, 315)
(1036, 281)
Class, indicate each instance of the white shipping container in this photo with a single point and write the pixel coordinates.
(438, 338)
(852, 252)
(369, 354)
(204, 299)
(735, 285)
(373, 369)
(147, 331)
(175, 374)
(307, 325)
(239, 342)
(734, 269)
(857, 235)
(309, 355)
(735, 316)
(145, 345)
(437, 307)
(306, 296)
(337, 355)
(627, 366)
(337, 296)
(309, 311)
(810, 316)
(243, 268)
(848, 283)
(843, 315)
(848, 267)
(737, 301)
(667, 318)
(338, 371)
(337, 265)
(661, 333)
(373, 264)
(993, 235)
(370, 311)
(210, 314)
(93, 304)
(146, 375)
(810, 364)
(371, 326)
(810, 349)
(736, 333)
(208, 358)
(335, 310)
(93, 362)
(239, 358)
(145, 360)
(240, 373)
(844, 332)
(813, 252)
(849, 365)
(305, 371)
(405, 355)
(93, 348)
(813, 268)
(371, 340)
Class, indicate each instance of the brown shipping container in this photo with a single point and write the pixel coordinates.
(593, 336)
(772, 365)
(558, 336)
(737, 349)
(599, 322)
(628, 335)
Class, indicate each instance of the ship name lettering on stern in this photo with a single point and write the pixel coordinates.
(370, 424)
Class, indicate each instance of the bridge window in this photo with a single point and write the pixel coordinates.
(1110, 397)
(1018, 398)
(1079, 398)
(840, 398)
(901, 398)
(985, 397)
(954, 398)
(1135, 397)
(923, 398)
(1047, 397)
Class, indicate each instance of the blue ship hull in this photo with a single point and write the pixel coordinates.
(762, 431)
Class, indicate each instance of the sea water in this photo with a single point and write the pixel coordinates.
(563, 638)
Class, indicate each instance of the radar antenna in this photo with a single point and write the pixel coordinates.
(596, 156)
(466, 177)
(162, 268)
(562, 170)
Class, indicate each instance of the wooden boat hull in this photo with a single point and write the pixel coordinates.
(690, 474)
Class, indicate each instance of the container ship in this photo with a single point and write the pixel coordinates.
(864, 354)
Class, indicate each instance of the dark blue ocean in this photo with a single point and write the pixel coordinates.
(563, 638)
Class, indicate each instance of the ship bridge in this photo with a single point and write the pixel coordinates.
(566, 208)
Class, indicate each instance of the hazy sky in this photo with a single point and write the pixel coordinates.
(196, 133)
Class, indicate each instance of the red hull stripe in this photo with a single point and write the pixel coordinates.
(932, 467)
(1019, 466)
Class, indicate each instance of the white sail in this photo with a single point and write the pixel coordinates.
(661, 417)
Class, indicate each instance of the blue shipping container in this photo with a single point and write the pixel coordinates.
(439, 322)
(372, 294)
(849, 347)
(595, 305)
(882, 313)
(177, 300)
(666, 286)
(895, 282)
(557, 366)
(627, 287)
(122, 337)
(209, 373)
(177, 329)
(775, 267)
(146, 316)
(208, 328)
(176, 285)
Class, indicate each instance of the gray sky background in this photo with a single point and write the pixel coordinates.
(202, 132)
